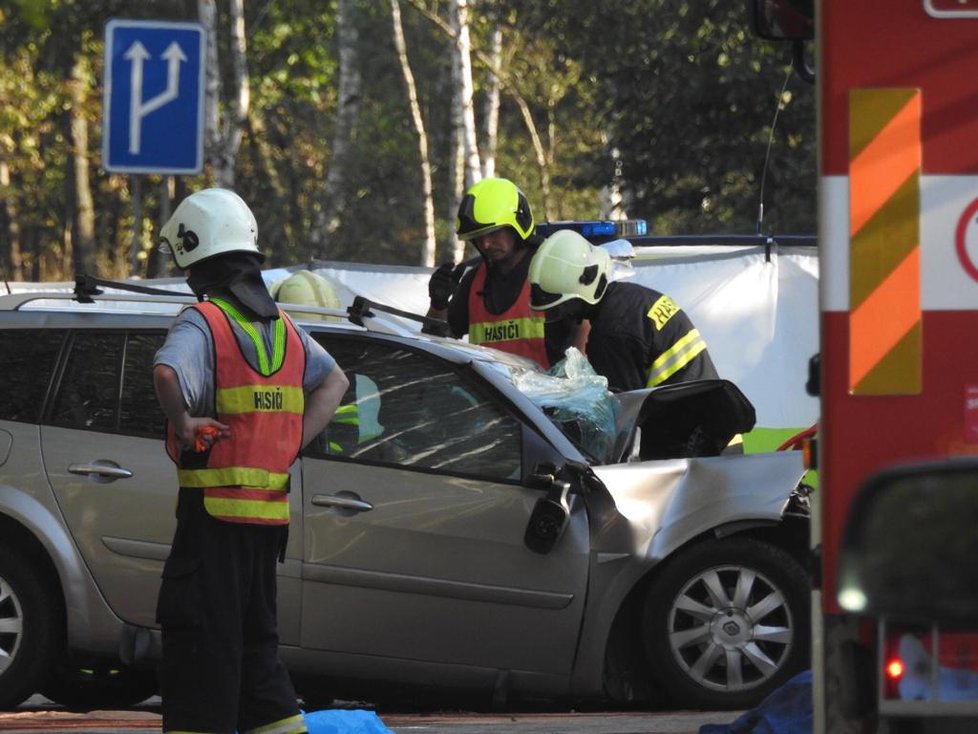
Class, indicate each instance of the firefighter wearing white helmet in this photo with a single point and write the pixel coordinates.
(639, 337)
(208, 223)
(567, 266)
(243, 389)
(488, 297)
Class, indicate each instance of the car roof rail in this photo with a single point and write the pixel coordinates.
(361, 309)
(89, 289)
(86, 286)
(15, 301)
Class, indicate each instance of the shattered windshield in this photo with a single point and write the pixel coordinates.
(577, 401)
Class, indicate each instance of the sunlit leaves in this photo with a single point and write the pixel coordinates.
(680, 88)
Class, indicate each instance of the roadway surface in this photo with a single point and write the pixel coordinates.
(39, 714)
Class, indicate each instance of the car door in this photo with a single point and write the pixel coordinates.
(103, 453)
(414, 522)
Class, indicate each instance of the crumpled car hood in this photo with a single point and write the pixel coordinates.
(659, 505)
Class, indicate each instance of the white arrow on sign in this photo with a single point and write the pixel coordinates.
(137, 55)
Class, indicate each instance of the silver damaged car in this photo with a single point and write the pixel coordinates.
(466, 525)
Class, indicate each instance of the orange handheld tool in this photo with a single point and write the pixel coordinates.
(200, 445)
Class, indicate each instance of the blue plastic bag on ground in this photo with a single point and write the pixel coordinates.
(788, 710)
(340, 721)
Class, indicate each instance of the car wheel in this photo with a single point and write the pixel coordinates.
(92, 686)
(31, 629)
(726, 623)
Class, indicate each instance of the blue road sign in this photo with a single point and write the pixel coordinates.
(153, 113)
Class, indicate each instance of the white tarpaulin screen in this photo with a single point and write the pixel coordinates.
(758, 314)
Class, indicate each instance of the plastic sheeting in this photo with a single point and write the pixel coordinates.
(788, 710)
(576, 398)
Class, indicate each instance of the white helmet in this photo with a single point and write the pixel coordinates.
(208, 223)
(567, 266)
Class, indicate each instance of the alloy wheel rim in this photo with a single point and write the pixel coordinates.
(11, 625)
(730, 628)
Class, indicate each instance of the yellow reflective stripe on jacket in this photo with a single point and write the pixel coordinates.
(260, 398)
(487, 332)
(233, 476)
(278, 337)
(675, 358)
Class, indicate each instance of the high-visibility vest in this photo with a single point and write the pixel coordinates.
(245, 477)
(345, 415)
(517, 330)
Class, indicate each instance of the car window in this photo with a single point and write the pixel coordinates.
(27, 361)
(139, 411)
(107, 384)
(411, 409)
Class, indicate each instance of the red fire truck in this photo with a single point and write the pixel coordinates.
(897, 86)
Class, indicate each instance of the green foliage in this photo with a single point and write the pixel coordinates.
(284, 155)
(687, 97)
(674, 99)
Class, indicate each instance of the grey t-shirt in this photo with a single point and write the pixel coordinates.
(189, 351)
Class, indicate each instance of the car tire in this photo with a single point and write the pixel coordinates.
(89, 686)
(726, 623)
(31, 627)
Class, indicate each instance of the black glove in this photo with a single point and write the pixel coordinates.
(442, 285)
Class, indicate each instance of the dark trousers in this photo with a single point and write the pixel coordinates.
(217, 609)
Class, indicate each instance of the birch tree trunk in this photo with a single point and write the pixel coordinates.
(12, 261)
(327, 219)
(456, 162)
(427, 199)
(540, 153)
(506, 84)
(492, 104)
(457, 181)
(224, 140)
(459, 10)
(239, 105)
(207, 12)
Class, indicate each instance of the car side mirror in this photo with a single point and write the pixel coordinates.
(787, 20)
(909, 545)
(550, 515)
(783, 20)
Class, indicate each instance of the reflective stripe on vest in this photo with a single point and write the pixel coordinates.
(517, 330)
(347, 415)
(247, 474)
(291, 725)
(278, 337)
(680, 354)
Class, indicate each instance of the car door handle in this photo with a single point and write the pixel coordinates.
(101, 469)
(345, 501)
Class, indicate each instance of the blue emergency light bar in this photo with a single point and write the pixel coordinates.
(597, 230)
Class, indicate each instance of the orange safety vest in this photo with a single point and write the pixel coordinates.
(245, 477)
(517, 330)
